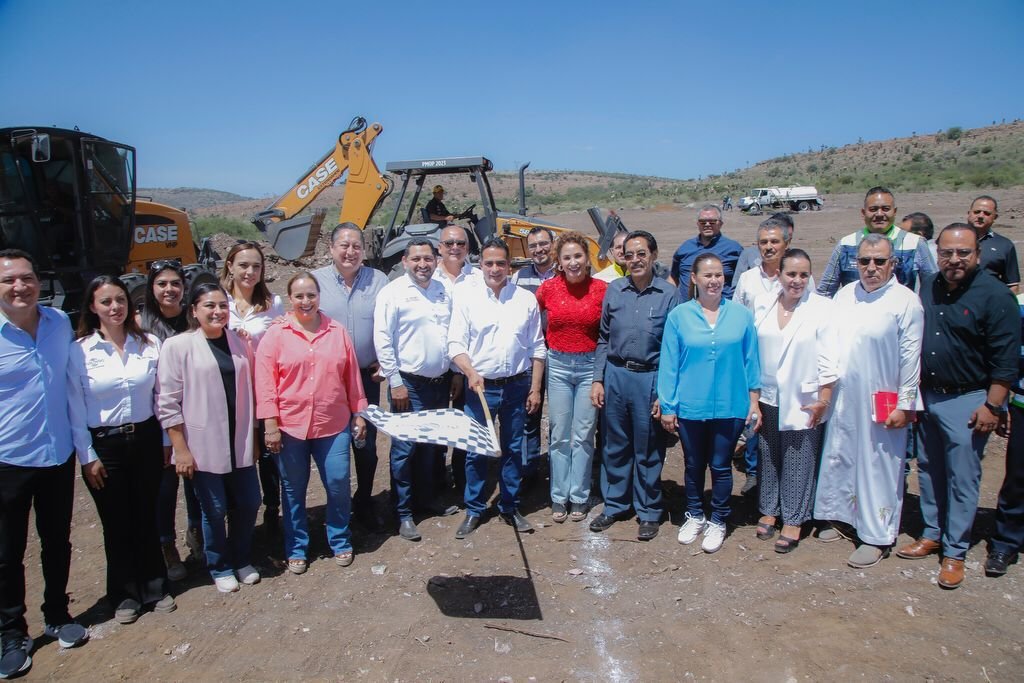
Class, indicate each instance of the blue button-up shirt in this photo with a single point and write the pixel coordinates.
(705, 372)
(353, 308)
(727, 250)
(35, 429)
(632, 322)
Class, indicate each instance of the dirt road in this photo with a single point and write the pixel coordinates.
(590, 607)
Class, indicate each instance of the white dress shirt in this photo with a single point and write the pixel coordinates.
(468, 272)
(253, 322)
(108, 390)
(500, 334)
(410, 329)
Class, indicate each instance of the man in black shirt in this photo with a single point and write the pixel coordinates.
(968, 362)
(436, 209)
(997, 252)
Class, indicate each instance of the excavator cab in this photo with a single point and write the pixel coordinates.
(68, 199)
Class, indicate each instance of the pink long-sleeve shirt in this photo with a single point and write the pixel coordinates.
(311, 386)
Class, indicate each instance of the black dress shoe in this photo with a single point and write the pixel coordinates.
(517, 520)
(407, 530)
(468, 526)
(997, 563)
(647, 531)
(602, 522)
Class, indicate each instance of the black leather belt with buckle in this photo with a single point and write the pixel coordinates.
(426, 380)
(634, 366)
(506, 380)
(104, 432)
(957, 389)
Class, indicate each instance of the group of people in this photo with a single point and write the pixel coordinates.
(229, 393)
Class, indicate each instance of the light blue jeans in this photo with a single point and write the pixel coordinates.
(573, 419)
(330, 453)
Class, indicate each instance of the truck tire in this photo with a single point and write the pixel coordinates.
(803, 206)
(755, 209)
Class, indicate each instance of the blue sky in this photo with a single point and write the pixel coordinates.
(245, 96)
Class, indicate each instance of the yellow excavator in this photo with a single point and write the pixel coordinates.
(294, 234)
(68, 198)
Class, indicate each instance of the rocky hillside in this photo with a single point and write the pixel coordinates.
(189, 198)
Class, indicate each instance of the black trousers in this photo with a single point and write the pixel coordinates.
(270, 475)
(366, 456)
(50, 491)
(1009, 534)
(127, 508)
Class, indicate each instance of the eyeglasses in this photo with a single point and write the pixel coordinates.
(946, 254)
(454, 243)
(878, 261)
(713, 221)
(633, 255)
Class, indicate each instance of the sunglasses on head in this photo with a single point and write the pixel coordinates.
(866, 260)
(164, 264)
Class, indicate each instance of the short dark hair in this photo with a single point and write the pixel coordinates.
(89, 322)
(541, 228)
(652, 243)
(878, 189)
(347, 225)
(958, 226)
(18, 253)
(793, 253)
(420, 242)
(995, 204)
(201, 289)
(920, 222)
(495, 242)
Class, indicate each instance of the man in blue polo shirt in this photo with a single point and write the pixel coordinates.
(709, 238)
(37, 469)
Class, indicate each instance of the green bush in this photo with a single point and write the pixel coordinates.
(954, 133)
(210, 225)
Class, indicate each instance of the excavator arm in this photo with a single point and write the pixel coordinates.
(292, 235)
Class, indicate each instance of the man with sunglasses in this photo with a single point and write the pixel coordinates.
(709, 238)
(875, 338)
(454, 267)
(968, 363)
(911, 257)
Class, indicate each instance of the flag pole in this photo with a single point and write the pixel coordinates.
(487, 414)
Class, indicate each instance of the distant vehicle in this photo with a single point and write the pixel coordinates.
(802, 198)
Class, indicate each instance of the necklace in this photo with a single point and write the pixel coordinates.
(786, 312)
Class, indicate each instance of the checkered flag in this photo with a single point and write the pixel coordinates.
(444, 427)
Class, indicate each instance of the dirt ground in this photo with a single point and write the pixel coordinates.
(564, 603)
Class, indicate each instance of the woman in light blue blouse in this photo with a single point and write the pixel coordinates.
(709, 382)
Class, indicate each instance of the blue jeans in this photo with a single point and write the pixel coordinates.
(709, 443)
(239, 492)
(531, 439)
(167, 505)
(572, 418)
(949, 469)
(415, 462)
(750, 455)
(330, 453)
(507, 403)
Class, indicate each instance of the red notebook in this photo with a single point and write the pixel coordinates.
(884, 402)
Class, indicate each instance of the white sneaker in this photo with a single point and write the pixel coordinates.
(690, 529)
(714, 536)
(226, 584)
(249, 575)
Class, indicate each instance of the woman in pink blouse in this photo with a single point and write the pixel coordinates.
(309, 392)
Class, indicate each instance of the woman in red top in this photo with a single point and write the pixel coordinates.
(572, 301)
(308, 391)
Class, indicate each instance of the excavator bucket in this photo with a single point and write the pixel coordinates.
(296, 238)
(606, 228)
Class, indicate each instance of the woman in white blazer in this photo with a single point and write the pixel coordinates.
(797, 378)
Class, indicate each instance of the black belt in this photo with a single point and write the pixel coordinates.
(105, 432)
(506, 380)
(632, 365)
(955, 389)
(446, 377)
